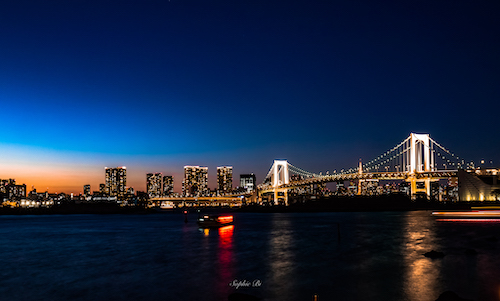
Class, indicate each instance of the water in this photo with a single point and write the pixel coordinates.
(378, 256)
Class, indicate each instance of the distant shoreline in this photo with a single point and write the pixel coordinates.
(331, 204)
(367, 204)
(97, 208)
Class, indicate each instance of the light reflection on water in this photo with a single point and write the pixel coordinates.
(422, 273)
(225, 264)
(378, 256)
(280, 256)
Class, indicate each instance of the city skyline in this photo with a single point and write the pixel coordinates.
(212, 180)
(156, 86)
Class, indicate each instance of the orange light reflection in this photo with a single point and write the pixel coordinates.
(478, 213)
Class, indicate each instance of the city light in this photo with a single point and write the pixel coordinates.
(413, 162)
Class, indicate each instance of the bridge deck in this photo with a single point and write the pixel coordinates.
(442, 174)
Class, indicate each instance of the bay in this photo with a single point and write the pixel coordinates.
(275, 256)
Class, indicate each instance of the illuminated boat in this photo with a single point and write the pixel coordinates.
(208, 221)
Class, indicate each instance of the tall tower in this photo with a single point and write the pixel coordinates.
(195, 182)
(153, 184)
(116, 180)
(280, 173)
(224, 179)
(102, 189)
(86, 190)
(421, 160)
(420, 155)
(168, 185)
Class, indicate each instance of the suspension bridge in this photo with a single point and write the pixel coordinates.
(418, 160)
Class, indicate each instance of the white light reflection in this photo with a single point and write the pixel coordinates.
(282, 257)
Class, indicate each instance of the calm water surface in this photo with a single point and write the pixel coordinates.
(377, 256)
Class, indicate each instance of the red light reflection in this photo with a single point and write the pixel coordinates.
(225, 257)
(226, 236)
(474, 220)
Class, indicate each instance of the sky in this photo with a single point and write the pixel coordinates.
(157, 85)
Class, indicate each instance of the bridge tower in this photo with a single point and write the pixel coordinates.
(280, 173)
(420, 153)
(421, 159)
(360, 172)
(280, 176)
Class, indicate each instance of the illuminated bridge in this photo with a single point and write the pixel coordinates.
(418, 160)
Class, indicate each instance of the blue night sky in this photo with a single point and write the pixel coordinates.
(156, 85)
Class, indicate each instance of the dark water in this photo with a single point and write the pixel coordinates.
(280, 256)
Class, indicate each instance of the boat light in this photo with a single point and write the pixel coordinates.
(226, 219)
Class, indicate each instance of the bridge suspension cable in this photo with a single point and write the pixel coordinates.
(301, 172)
(391, 155)
(399, 159)
(417, 153)
(450, 159)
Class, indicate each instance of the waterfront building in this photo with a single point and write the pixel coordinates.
(168, 185)
(248, 182)
(102, 189)
(86, 190)
(116, 180)
(16, 191)
(3, 186)
(11, 190)
(153, 184)
(224, 179)
(195, 182)
(405, 187)
(480, 185)
(352, 189)
(369, 187)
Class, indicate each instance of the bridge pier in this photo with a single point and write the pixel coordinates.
(281, 194)
(418, 186)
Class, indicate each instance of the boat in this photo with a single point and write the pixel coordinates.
(207, 221)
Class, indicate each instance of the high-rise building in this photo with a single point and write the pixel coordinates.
(168, 185)
(224, 179)
(102, 189)
(86, 190)
(116, 180)
(153, 184)
(195, 182)
(248, 181)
